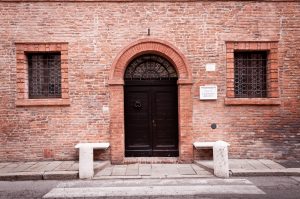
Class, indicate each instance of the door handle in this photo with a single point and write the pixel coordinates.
(153, 123)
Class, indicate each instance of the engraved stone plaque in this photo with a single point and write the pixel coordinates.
(208, 92)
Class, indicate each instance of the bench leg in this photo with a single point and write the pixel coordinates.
(86, 167)
(221, 165)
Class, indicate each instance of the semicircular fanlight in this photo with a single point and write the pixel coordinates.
(150, 67)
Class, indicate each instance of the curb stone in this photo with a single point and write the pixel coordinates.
(60, 175)
(272, 172)
(50, 175)
(21, 176)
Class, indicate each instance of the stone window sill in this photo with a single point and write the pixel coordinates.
(42, 102)
(252, 101)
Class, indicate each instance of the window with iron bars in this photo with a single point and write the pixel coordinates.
(44, 75)
(250, 74)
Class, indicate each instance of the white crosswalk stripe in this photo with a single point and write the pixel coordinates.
(217, 186)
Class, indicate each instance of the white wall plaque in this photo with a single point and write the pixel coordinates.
(208, 92)
(210, 67)
(105, 109)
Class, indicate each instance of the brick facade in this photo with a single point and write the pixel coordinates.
(97, 39)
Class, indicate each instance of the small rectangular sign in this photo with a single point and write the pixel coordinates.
(208, 92)
(210, 67)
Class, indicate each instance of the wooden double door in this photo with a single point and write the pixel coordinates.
(151, 118)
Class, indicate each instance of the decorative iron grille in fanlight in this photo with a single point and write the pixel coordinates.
(150, 67)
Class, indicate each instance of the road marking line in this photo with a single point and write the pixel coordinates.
(152, 191)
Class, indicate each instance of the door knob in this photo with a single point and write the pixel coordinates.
(153, 122)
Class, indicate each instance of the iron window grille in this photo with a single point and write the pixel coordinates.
(44, 75)
(250, 74)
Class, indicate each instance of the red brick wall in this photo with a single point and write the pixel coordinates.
(96, 32)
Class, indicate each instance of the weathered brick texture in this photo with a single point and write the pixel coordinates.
(96, 33)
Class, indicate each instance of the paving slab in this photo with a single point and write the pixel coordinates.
(271, 164)
(10, 167)
(145, 169)
(186, 169)
(52, 165)
(98, 165)
(3, 164)
(38, 167)
(22, 167)
(170, 169)
(119, 170)
(208, 165)
(200, 171)
(157, 170)
(257, 164)
(238, 164)
(245, 164)
(105, 172)
(233, 164)
(289, 163)
(75, 167)
(65, 166)
(132, 170)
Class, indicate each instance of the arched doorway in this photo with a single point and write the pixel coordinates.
(151, 107)
(116, 92)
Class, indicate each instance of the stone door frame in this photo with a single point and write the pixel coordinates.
(116, 91)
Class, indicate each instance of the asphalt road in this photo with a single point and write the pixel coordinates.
(273, 187)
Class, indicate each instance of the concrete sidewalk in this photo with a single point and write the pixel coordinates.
(63, 170)
(256, 167)
(43, 170)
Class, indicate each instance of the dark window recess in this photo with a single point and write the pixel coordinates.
(250, 74)
(44, 75)
(150, 67)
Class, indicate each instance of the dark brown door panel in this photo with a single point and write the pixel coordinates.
(151, 119)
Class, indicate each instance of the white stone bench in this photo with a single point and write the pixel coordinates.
(204, 145)
(220, 156)
(86, 158)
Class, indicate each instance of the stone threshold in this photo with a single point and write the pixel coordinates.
(151, 160)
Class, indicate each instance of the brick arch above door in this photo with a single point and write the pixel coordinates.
(116, 82)
(155, 46)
